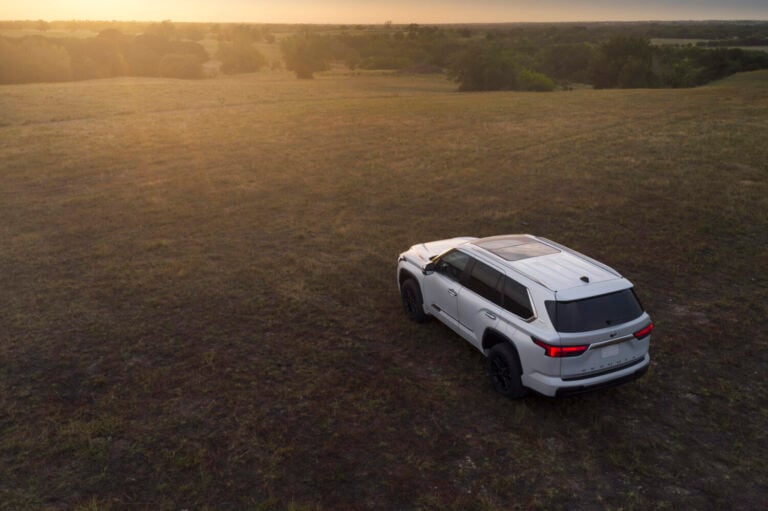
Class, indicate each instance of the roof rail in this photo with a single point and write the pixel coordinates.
(579, 254)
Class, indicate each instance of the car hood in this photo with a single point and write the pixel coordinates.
(427, 251)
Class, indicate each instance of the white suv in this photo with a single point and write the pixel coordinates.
(548, 318)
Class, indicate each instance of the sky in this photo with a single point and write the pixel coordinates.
(376, 11)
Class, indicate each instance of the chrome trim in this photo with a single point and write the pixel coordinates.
(611, 342)
(533, 308)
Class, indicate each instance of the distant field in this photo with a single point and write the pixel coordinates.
(199, 307)
(694, 42)
(82, 34)
(677, 41)
(755, 48)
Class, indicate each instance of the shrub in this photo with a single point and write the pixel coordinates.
(535, 81)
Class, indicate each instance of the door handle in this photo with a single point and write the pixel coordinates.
(490, 316)
(452, 292)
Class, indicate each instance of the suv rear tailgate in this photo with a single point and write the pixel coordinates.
(610, 349)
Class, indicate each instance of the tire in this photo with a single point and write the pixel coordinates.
(413, 303)
(505, 371)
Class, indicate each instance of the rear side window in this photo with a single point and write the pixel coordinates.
(516, 299)
(484, 281)
(595, 312)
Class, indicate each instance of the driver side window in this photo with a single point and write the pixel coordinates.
(452, 264)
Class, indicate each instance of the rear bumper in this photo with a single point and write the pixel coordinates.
(557, 387)
(583, 389)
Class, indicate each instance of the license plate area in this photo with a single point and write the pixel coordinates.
(609, 351)
(611, 348)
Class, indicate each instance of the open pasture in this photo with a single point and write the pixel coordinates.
(198, 306)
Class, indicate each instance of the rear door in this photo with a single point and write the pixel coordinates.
(480, 301)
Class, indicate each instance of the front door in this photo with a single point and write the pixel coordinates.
(442, 288)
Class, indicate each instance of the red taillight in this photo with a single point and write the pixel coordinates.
(560, 351)
(645, 332)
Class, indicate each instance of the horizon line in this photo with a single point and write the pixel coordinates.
(393, 23)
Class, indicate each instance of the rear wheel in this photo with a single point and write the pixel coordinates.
(504, 367)
(413, 303)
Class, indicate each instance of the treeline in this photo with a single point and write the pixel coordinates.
(536, 57)
(619, 62)
(497, 60)
(626, 62)
(110, 54)
(563, 32)
(162, 50)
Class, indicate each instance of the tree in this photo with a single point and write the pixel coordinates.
(494, 66)
(568, 62)
(98, 57)
(636, 73)
(624, 62)
(484, 67)
(193, 32)
(305, 54)
(240, 57)
(166, 29)
(33, 59)
(143, 59)
(189, 48)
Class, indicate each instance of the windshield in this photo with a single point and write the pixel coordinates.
(595, 312)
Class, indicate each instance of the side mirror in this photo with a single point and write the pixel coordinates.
(428, 269)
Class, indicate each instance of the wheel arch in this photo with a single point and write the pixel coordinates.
(493, 337)
(404, 275)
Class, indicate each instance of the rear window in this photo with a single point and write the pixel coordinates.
(595, 312)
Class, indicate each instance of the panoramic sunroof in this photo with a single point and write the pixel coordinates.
(515, 248)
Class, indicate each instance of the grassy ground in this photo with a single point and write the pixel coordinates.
(199, 308)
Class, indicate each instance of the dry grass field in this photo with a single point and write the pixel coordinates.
(198, 306)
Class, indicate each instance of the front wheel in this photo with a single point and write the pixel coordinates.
(504, 367)
(413, 303)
